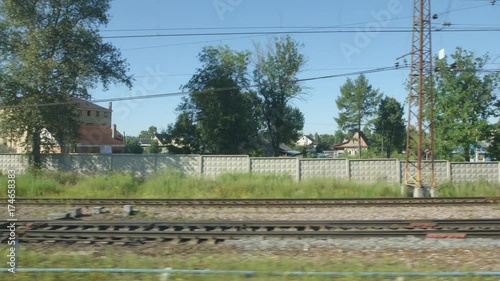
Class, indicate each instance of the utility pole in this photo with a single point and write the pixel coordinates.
(419, 174)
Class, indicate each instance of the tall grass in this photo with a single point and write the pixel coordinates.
(177, 185)
(113, 258)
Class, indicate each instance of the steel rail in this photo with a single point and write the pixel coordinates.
(265, 202)
(216, 231)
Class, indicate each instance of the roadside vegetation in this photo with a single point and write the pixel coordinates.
(177, 185)
(111, 258)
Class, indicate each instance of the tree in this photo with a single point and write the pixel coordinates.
(317, 138)
(275, 78)
(357, 104)
(183, 136)
(152, 130)
(493, 149)
(389, 127)
(465, 99)
(154, 147)
(339, 136)
(133, 145)
(220, 105)
(51, 51)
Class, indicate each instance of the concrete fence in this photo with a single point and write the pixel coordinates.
(369, 170)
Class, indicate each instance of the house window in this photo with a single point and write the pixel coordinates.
(105, 114)
(88, 112)
(97, 114)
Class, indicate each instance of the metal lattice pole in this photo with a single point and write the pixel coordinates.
(419, 169)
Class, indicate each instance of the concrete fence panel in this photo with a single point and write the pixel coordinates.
(374, 170)
(441, 172)
(81, 163)
(142, 164)
(461, 172)
(52, 162)
(218, 164)
(323, 168)
(17, 162)
(187, 164)
(275, 165)
(390, 170)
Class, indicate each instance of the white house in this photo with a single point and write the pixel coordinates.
(307, 141)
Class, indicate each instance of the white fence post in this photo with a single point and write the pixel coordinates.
(298, 169)
(348, 167)
(164, 276)
(448, 171)
(398, 171)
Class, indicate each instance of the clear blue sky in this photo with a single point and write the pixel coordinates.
(162, 64)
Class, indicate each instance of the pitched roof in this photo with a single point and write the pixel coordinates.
(99, 135)
(349, 143)
(87, 105)
(309, 137)
(162, 138)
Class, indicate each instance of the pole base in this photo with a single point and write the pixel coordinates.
(418, 192)
(434, 192)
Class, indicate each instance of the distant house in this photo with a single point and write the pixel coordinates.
(161, 139)
(99, 139)
(97, 134)
(350, 146)
(286, 151)
(307, 141)
(92, 114)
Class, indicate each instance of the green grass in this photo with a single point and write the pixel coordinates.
(176, 185)
(113, 258)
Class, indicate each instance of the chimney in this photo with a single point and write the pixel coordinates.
(110, 106)
(113, 131)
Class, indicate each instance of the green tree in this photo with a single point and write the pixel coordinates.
(357, 104)
(389, 127)
(222, 106)
(154, 147)
(183, 135)
(465, 98)
(339, 136)
(328, 139)
(152, 130)
(493, 149)
(317, 138)
(133, 145)
(275, 77)
(51, 51)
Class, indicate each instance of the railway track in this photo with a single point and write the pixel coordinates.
(133, 232)
(326, 202)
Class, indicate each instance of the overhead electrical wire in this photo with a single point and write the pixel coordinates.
(302, 71)
(256, 27)
(345, 29)
(182, 93)
(278, 27)
(409, 30)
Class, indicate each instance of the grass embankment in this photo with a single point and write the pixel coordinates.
(177, 185)
(110, 258)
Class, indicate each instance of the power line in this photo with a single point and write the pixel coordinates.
(277, 27)
(381, 69)
(374, 70)
(251, 27)
(408, 30)
(302, 71)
